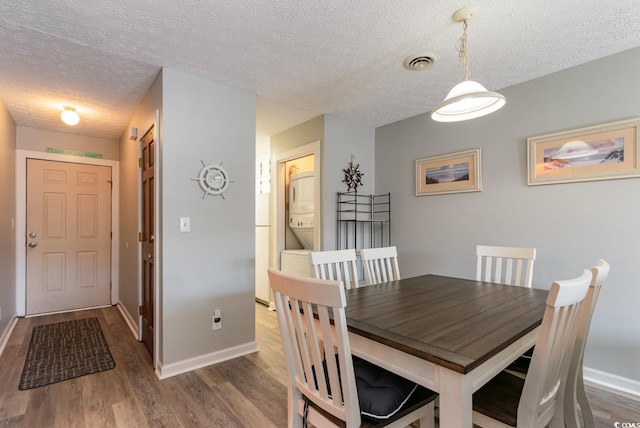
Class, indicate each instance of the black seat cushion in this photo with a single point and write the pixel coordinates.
(381, 394)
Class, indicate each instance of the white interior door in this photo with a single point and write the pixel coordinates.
(68, 236)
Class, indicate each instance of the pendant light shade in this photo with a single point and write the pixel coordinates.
(70, 116)
(468, 99)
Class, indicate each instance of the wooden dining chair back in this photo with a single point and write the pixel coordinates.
(324, 387)
(535, 401)
(575, 394)
(337, 265)
(505, 265)
(380, 264)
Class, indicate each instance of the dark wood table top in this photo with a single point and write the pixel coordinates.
(455, 323)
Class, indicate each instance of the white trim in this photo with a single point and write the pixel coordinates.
(612, 382)
(129, 320)
(157, 301)
(173, 369)
(21, 216)
(6, 334)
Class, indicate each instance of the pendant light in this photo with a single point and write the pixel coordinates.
(70, 116)
(468, 99)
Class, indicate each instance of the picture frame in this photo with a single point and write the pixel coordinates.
(450, 173)
(601, 152)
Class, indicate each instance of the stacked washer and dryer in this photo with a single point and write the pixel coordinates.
(301, 216)
(301, 207)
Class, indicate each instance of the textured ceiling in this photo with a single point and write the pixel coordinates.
(302, 58)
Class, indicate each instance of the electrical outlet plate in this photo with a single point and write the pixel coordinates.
(217, 319)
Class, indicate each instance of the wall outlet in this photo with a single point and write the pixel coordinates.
(217, 319)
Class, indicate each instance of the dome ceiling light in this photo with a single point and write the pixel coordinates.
(70, 116)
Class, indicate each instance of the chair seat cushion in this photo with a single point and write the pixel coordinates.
(380, 393)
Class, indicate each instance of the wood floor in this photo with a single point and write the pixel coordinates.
(245, 392)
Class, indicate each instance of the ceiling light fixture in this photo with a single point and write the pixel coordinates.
(468, 99)
(70, 116)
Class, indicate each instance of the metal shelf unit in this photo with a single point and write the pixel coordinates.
(364, 221)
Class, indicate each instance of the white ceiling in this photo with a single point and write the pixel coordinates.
(302, 58)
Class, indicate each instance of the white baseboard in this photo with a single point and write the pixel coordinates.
(6, 334)
(165, 371)
(133, 326)
(612, 382)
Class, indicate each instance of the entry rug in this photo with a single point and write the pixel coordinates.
(65, 350)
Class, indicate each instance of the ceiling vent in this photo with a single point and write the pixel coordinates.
(419, 62)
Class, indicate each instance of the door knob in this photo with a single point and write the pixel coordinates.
(149, 256)
(32, 245)
(32, 235)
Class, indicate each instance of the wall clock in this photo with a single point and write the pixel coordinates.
(213, 180)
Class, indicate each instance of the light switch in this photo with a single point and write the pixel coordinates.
(185, 224)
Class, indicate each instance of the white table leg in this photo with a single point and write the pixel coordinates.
(456, 395)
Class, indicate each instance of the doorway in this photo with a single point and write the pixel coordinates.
(279, 195)
(147, 238)
(21, 219)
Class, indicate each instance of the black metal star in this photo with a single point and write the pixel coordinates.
(352, 176)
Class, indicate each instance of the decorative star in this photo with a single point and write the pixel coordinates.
(352, 176)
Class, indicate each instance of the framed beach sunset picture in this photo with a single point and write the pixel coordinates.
(451, 173)
(601, 152)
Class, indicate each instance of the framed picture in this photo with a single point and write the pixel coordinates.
(601, 152)
(453, 173)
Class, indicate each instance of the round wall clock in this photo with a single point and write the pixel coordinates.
(213, 180)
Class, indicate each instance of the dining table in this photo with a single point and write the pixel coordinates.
(451, 335)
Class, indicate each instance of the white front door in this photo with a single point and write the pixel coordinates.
(68, 236)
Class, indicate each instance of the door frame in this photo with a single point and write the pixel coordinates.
(155, 126)
(21, 219)
(278, 221)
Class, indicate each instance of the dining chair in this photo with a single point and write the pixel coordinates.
(575, 394)
(380, 264)
(505, 265)
(338, 265)
(537, 400)
(327, 385)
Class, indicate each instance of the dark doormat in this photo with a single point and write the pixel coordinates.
(65, 350)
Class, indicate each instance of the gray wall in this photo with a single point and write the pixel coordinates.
(213, 265)
(38, 140)
(143, 119)
(571, 225)
(343, 139)
(7, 213)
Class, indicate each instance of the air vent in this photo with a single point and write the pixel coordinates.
(419, 62)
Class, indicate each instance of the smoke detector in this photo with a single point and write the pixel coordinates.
(419, 62)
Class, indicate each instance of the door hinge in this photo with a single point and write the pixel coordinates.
(140, 310)
(140, 163)
(140, 237)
